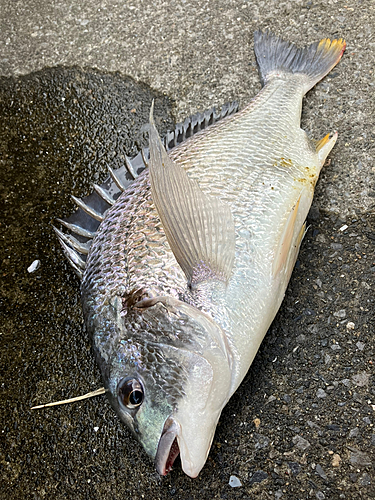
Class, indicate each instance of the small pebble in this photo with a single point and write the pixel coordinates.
(261, 441)
(295, 468)
(320, 393)
(358, 457)
(350, 325)
(313, 425)
(336, 246)
(321, 472)
(354, 432)
(361, 379)
(340, 314)
(333, 427)
(336, 459)
(301, 443)
(344, 227)
(34, 266)
(365, 480)
(234, 482)
(258, 477)
(360, 345)
(327, 359)
(96, 429)
(357, 397)
(335, 347)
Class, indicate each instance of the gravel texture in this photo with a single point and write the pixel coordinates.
(77, 82)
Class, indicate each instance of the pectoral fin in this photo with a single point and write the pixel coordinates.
(199, 228)
(283, 255)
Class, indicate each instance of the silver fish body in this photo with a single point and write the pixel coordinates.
(190, 265)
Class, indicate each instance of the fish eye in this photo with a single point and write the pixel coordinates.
(130, 393)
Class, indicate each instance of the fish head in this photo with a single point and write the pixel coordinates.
(168, 378)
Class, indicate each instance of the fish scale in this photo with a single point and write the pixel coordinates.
(191, 261)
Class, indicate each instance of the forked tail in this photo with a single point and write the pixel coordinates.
(276, 58)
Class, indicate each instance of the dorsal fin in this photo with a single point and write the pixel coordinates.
(196, 123)
(82, 222)
(199, 227)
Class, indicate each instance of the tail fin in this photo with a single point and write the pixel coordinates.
(276, 57)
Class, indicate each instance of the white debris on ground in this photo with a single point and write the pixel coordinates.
(234, 482)
(34, 266)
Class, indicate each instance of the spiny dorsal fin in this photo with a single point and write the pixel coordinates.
(199, 228)
(196, 123)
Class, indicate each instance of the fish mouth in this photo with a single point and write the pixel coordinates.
(168, 449)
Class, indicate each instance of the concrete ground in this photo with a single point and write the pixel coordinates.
(77, 79)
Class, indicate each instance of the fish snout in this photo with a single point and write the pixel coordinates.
(192, 444)
(168, 449)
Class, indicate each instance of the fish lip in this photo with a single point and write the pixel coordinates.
(168, 448)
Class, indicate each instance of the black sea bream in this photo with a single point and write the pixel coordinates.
(185, 269)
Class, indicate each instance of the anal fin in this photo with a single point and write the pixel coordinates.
(199, 228)
(295, 250)
(284, 248)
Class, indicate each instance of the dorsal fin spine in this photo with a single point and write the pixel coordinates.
(104, 195)
(129, 167)
(77, 229)
(82, 248)
(116, 179)
(89, 210)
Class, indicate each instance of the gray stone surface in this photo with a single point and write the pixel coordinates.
(197, 53)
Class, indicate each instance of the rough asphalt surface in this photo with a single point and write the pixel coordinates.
(301, 424)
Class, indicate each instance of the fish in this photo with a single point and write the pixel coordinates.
(186, 252)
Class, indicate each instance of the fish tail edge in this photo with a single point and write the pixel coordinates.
(276, 57)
